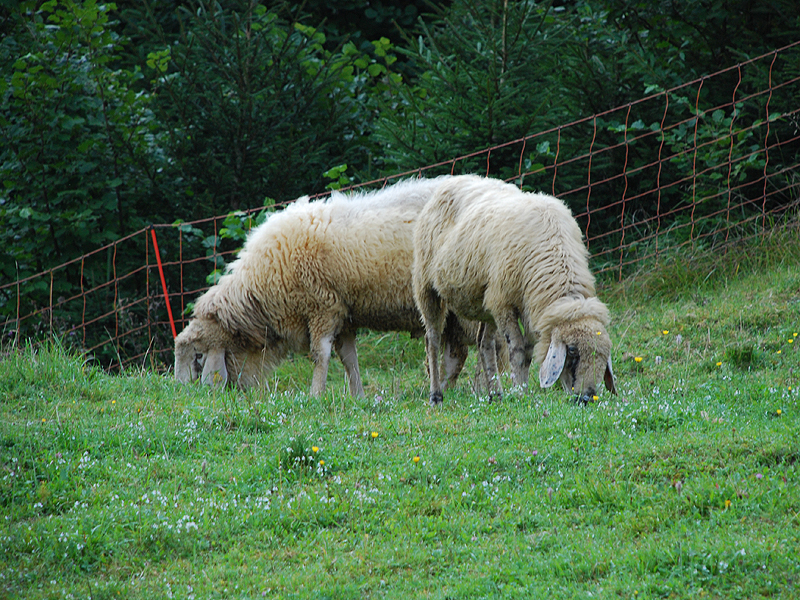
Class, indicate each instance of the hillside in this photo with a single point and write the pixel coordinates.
(685, 484)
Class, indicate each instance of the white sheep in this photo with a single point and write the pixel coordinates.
(306, 280)
(487, 251)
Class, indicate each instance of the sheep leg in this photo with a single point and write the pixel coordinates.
(430, 305)
(529, 346)
(321, 355)
(433, 343)
(518, 351)
(455, 351)
(453, 359)
(487, 354)
(345, 346)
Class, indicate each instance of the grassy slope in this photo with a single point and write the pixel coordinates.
(686, 484)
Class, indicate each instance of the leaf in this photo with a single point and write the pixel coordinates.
(376, 69)
(335, 172)
(381, 46)
(652, 88)
(536, 168)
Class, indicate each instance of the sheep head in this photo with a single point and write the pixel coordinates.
(200, 353)
(578, 351)
(205, 351)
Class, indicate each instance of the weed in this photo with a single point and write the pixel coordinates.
(743, 357)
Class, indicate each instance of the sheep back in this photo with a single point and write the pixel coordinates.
(483, 243)
(317, 269)
(494, 253)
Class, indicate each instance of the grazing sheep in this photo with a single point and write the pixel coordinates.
(487, 251)
(306, 280)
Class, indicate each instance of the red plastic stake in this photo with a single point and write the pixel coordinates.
(163, 282)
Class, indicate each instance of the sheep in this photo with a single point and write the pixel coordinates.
(485, 250)
(305, 281)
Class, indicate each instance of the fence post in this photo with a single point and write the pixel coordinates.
(624, 191)
(766, 146)
(147, 287)
(163, 281)
(589, 180)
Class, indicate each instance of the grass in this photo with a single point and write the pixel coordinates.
(684, 485)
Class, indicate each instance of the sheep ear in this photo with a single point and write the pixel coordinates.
(608, 378)
(215, 372)
(553, 364)
(183, 366)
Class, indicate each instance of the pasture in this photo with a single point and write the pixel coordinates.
(683, 485)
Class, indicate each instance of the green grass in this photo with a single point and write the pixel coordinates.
(684, 485)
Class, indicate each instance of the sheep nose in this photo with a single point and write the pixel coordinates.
(586, 398)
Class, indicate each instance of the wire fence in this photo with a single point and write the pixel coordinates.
(699, 165)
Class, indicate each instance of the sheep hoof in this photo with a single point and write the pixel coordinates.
(436, 399)
(495, 396)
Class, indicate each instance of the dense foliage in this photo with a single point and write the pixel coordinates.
(113, 116)
(81, 148)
